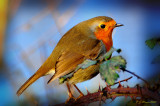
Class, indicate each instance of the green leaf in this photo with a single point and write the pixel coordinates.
(108, 69)
(151, 42)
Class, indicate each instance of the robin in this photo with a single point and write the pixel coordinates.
(86, 40)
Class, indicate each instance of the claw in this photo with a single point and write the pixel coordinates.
(81, 95)
(71, 97)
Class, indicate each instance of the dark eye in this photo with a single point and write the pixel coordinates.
(103, 26)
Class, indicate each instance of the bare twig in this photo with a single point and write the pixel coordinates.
(14, 5)
(121, 81)
(39, 16)
(124, 70)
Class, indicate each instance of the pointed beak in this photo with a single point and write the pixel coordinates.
(118, 25)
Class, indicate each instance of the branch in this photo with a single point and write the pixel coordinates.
(121, 81)
(108, 93)
(124, 70)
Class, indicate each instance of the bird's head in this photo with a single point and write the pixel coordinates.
(101, 28)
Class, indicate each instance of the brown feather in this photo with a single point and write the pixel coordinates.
(66, 64)
(68, 61)
(27, 84)
(84, 74)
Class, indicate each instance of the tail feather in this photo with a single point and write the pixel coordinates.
(32, 79)
(43, 70)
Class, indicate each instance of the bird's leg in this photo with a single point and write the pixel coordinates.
(69, 93)
(81, 94)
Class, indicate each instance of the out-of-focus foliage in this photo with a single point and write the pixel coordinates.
(151, 43)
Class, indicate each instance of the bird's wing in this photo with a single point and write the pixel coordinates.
(67, 63)
(69, 60)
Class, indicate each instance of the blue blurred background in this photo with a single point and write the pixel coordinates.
(31, 30)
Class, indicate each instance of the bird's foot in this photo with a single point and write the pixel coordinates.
(70, 98)
(81, 95)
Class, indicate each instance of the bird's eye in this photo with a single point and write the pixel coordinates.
(103, 26)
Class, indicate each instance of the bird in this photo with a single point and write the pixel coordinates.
(88, 39)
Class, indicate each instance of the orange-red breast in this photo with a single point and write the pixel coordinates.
(87, 40)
